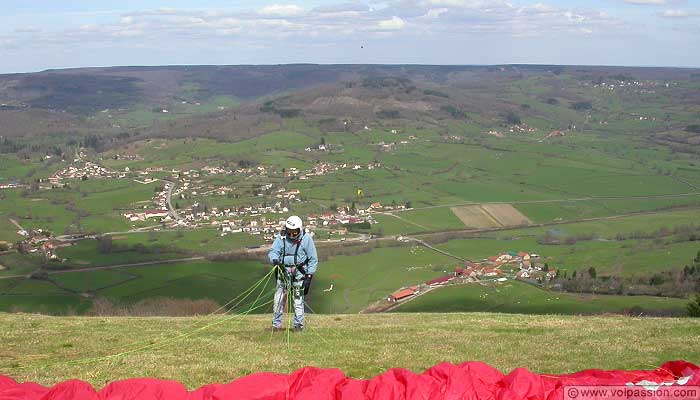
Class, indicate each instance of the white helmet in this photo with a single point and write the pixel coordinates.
(292, 224)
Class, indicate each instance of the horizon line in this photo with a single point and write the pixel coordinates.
(350, 64)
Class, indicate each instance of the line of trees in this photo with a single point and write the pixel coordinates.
(680, 283)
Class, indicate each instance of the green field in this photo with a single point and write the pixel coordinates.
(522, 298)
(91, 280)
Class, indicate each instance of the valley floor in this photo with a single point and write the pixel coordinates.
(221, 348)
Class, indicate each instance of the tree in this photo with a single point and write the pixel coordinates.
(513, 118)
(105, 244)
(323, 140)
(694, 307)
(546, 267)
(592, 272)
(353, 207)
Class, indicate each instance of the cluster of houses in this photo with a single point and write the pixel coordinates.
(323, 168)
(86, 171)
(160, 215)
(495, 133)
(127, 157)
(10, 185)
(389, 146)
(267, 227)
(494, 268)
(454, 138)
(618, 84)
(160, 212)
(264, 226)
(341, 217)
(321, 148)
(522, 128)
(517, 129)
(39, 241)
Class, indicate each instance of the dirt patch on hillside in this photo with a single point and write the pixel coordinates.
(474, 217)
(506, 214)
(490, 216)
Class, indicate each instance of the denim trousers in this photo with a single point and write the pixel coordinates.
(284, 286)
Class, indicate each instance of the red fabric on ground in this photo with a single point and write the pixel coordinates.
(467, 381)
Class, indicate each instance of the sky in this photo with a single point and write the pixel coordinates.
(44, 34)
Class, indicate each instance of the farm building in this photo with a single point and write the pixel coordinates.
(522, 274)
(443, 280)
(465, 272)
(402, 294)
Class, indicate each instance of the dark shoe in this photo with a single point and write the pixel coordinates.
(276, 329)
(298, 329)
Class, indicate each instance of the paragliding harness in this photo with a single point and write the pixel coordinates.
(283, 268)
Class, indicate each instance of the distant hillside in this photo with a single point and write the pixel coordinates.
(117, 99)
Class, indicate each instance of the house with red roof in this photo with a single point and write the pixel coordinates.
(402, 294)
(443, 280)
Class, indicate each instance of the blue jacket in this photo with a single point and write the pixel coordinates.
(307, 251)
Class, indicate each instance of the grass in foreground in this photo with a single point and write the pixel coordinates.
(360, 345)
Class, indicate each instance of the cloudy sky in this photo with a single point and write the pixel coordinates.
(41, 34)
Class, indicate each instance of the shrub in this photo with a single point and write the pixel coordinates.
(388, 114)
(513, 118)
(431, 92)
(582, 105)
(695, 128)
(694, 307)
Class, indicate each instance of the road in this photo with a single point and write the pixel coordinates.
(15, 223)
(412, 239)
(171, 209)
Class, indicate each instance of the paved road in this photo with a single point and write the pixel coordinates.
(15, 223)
(171, 209)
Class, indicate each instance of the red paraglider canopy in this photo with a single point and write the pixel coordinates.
(471, 380)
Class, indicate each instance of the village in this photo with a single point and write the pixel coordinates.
(521, 266)
(254, 219)
(192, 187)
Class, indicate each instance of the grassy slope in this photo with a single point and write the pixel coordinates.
(519, 297)
(360, 345)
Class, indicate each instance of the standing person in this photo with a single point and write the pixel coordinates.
(294, 255)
